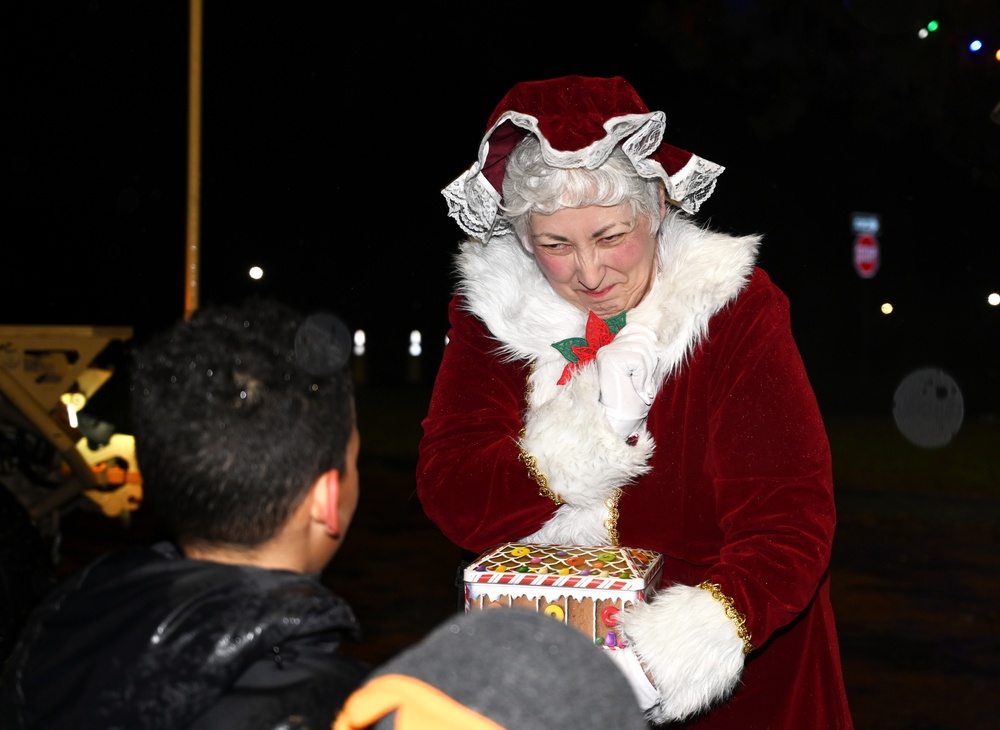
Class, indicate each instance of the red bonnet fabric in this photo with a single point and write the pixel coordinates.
(579, 120)
(571, 113)
(571, 110)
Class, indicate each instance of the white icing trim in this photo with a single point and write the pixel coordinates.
(494, 591)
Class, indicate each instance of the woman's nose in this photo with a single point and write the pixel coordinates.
(590, 270)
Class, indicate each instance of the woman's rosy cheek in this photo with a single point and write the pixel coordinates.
(556, 268)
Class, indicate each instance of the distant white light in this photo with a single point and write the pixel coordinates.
(975, 46)
(923, 33)
(866, 223)
(886, 308)
(359, 343)
(256, 272)
(71, 414)
(74, 403)
(994, 299)
(415, 343)
(75, 400)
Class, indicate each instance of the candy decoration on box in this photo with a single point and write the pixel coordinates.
(581, 586)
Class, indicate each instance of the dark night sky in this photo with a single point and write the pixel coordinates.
(328, 134)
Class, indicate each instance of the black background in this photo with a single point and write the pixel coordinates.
(329, 131)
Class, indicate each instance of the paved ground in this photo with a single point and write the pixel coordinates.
(916, 568)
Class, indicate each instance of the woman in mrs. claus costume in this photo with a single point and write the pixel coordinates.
(616, 374)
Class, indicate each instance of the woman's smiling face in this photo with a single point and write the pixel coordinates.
(597, 258)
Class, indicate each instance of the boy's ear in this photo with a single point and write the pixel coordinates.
(326, 501)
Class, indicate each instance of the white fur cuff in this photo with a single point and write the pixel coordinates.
(582, 458)
(689, 647)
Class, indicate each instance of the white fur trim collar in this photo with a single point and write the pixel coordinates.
(700, 271)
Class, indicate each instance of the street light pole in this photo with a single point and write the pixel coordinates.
(192, 262)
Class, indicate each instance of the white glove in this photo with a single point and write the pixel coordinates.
(625, 370)
(646, 695)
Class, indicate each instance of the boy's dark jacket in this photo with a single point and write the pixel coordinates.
(144, 638)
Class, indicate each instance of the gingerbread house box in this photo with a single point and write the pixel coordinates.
(584, 587)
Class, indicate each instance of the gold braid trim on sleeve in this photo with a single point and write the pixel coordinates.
(611, 524)
(532, 465)
(740, 619)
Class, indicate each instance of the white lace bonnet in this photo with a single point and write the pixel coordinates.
(578, 120)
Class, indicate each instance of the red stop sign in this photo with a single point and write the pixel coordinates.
(866, 255)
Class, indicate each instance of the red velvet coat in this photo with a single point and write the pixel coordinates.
(738, 490)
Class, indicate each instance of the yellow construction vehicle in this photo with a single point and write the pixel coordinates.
(51, 454)
(54, 456)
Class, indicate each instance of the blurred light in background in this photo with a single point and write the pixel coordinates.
(256, 272)
(928, 408)
(359, 343)
(74, 403)
(415, 346)
(886, 308)
(993, 299)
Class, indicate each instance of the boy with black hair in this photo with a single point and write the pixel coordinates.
(247, 442)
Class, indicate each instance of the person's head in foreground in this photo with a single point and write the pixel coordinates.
(246, 436)
(499, 668)
(247, 444)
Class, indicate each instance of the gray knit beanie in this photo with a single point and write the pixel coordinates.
(520, 669)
